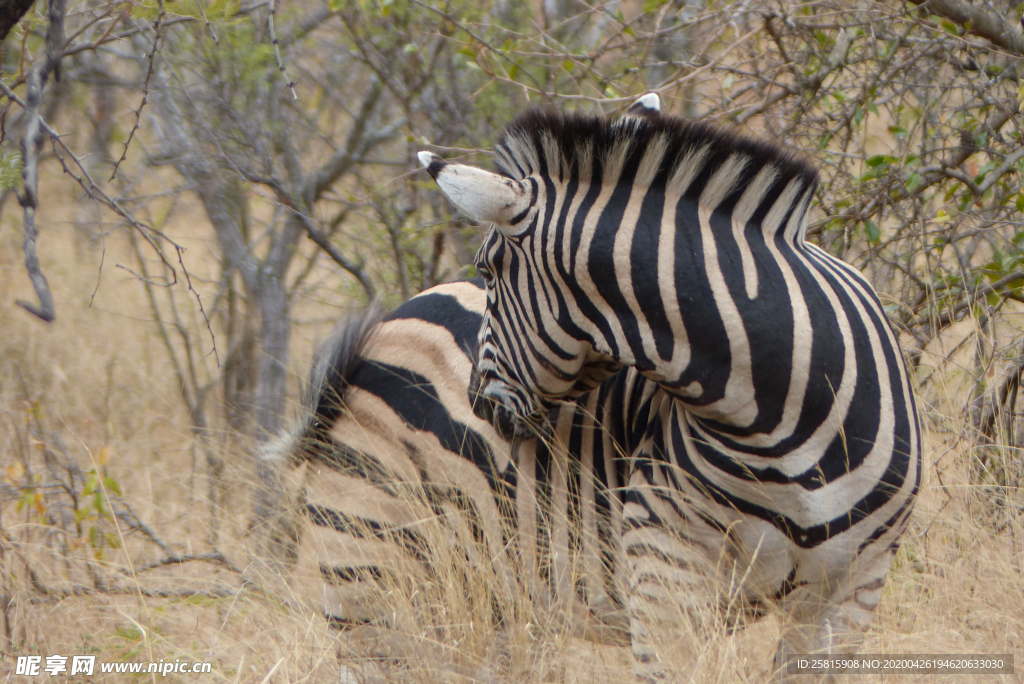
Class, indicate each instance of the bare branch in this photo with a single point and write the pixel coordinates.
(31, 146)
(324, 243)
(216, 558)
(277, 50)
(978, 20)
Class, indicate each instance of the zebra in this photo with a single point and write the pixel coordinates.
(783, 445)
(403, 479)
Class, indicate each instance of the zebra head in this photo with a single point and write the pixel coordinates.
(527, 360)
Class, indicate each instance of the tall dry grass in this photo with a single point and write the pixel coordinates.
(94, 393)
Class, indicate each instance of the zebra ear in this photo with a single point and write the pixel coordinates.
(484, 196)
(648, 104)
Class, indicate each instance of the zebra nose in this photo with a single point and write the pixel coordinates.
(488, 408)
(483, 407)
(487, 405)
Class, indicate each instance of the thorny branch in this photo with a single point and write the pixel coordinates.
(157, 24)
(84, 179)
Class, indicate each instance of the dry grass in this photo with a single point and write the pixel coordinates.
(95, 388)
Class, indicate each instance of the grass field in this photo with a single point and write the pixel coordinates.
(93, 397)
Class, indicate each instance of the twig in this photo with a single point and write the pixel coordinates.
(145, 89)
(216, 557)
(324, 243)
(199, 302)
(86, 182)
(277, 50)
(210, 27)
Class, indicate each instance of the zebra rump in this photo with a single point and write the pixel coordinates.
(405, 486)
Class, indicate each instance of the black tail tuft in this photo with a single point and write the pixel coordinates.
(333, 365)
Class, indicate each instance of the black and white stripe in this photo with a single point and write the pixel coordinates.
(782, 436)
(403, 479)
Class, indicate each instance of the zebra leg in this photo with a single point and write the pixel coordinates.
(672, 596)
(832, 618)
(369, 647)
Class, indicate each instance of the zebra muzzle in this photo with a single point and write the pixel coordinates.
(490, 409)
(488, 400)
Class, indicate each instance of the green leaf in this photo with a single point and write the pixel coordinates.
(914, 182)
(111, 485)
(1020, 202)
(653, 5)
(872, 230)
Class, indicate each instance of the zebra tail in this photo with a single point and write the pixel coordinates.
(323, 398)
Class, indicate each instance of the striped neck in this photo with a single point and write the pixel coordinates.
(668, 237)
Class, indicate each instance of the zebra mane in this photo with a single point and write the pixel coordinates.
(649, 149)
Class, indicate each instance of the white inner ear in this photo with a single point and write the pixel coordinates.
(650, 101)
(484, 196)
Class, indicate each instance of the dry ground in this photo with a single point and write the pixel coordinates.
(95, 389)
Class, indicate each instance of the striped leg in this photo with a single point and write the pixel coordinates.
(832, 618)
(672, 600)
(673, 580)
